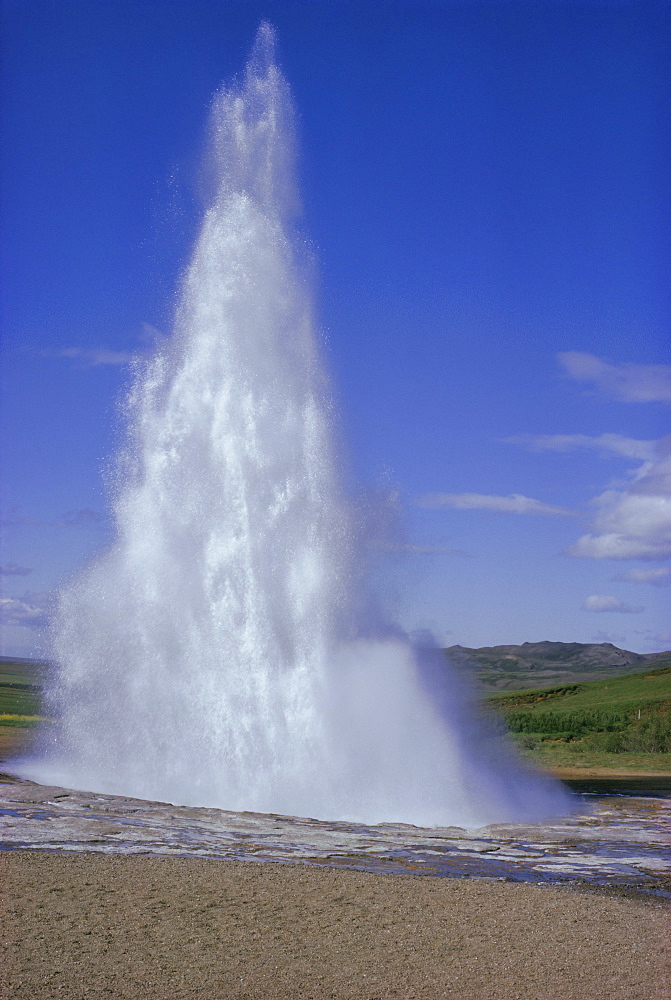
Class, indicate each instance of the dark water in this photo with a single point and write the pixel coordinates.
(655, 785)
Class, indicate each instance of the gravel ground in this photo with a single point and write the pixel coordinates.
(99, 926)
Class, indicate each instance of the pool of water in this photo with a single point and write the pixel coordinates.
(619, 835)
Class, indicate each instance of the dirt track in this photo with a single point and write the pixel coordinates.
(97, 926)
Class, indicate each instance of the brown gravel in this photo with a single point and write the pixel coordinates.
(97, 926)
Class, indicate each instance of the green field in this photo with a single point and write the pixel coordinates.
(621, 722)
(21, 684)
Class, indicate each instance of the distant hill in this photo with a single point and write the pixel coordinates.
(543, 664)
(495, 668)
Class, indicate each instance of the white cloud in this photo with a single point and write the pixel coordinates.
(660, 577)
(654, 477)
(28, 611)
(627, 382)
(606, 444)
(607, 602)
(632, 518)
(655, 642)
(634, 522)
(151, 339)
(613, 637)
(95, 356)
(627, 526)
(516, 503)
(614, 546)
(11, 569)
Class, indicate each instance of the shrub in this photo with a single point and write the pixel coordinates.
(651, 735)
(568, 724)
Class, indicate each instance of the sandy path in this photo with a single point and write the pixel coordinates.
(98, 926)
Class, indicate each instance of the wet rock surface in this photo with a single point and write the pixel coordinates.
(610, 840)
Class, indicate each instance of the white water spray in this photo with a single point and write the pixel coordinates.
(216, 654)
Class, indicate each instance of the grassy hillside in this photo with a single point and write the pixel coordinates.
(625, 716)
(547, 664)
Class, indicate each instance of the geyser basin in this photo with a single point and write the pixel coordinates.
(612, 839)
(219, 653)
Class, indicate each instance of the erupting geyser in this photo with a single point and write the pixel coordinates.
(217, 654)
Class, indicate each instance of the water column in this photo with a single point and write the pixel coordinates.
(217, 653)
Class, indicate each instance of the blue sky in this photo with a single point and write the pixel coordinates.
(485, 189)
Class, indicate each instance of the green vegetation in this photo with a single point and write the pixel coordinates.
(627, 716)
(621, 723)
(560, 755)
(21, 683)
